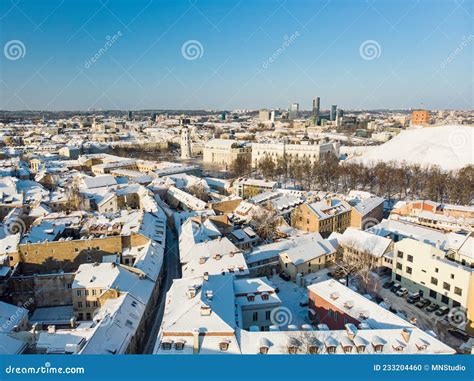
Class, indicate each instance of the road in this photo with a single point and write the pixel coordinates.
(172, 270)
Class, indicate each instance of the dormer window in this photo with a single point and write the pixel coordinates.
(224, 345)
(251, 297)
(360, 348)
(398, 347)
(179, 345)
(378, 348)
(264, 296)
(264, 346)
(347, 349)
(331, 349)
(293, 345)
(166, 345)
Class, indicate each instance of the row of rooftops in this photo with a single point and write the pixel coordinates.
(205, 322)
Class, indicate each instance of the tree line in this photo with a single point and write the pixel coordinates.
(390, 180)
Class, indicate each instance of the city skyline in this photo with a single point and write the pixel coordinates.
(209, 55)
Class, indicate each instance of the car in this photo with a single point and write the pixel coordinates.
(413, 298)
(457, 333)
(389, 284)
(395, 287)
(432, 307)
(442, 311)
(422, 303)
(285, 276)
(402, 292)
(304, 302)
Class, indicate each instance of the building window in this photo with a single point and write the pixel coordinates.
(410, 258)
(433, 294)
(434, 281)
(446, 286)
(94, 292)
(399, 266)
(268, 315)
(255, 316)
(86, 292)
(79, 304)
(95, 303)
(452, 276)
(400, 254)
(409, 270)
(436, 270)
(88, 304)
(398, 277)
(78, 293)
(457, 291)
(336, 316)
(69, 285)
(444, 299)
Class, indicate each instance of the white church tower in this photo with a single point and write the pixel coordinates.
(185, 143)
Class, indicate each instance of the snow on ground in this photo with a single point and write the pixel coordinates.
(291, 295)
(450, 147)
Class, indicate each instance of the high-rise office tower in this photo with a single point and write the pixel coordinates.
(316, 106)
(333, 113)
(294, 111)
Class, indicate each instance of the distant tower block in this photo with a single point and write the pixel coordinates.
(185, 143)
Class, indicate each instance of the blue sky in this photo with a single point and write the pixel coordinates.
(423, 54)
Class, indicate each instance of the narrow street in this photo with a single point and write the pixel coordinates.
(172, 270)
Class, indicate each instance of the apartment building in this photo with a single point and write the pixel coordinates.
(312, 151)
(441, 278)
(311, 254)
(223, 152)
(324, 217)
(366, 213)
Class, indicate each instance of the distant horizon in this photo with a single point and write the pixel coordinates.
(218, 55)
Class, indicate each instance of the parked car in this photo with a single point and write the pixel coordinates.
(402, 292)
(459, 334)
(423, 303)
(285, 276)
(413, 298)
(432, 307)
(304, 302)
(395, 287)
(388, 284)
(442, 311)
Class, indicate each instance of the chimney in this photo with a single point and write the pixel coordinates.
(196, 341)
(406, 333)
(206, 276)
(202, 260)
(72, 322)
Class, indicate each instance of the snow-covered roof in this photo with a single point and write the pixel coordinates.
(363, 241)
(360, 308)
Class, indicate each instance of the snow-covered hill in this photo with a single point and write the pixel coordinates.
(450, 147)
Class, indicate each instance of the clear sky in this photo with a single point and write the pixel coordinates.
(242, 54)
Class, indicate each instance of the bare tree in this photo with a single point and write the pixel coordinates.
(199, 191)
(360, 263)
(265, 222)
